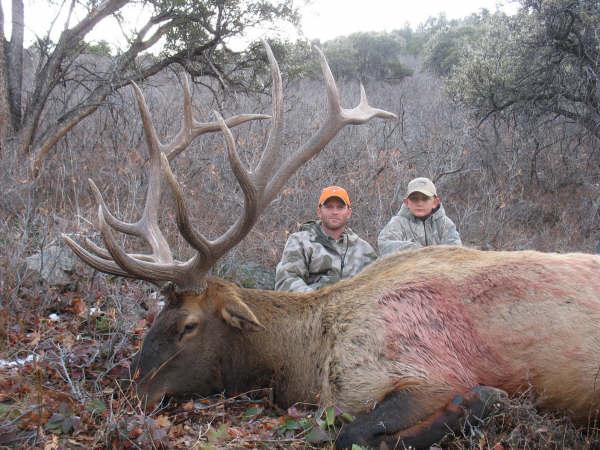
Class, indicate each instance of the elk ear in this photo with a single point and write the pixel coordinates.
(237, 314)
(169, 293)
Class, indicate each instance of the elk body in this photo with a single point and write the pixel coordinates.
(400, 345)
(408, 345)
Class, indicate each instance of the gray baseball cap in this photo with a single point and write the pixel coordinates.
(423, 185)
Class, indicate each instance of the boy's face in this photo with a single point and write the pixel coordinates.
(421, 205)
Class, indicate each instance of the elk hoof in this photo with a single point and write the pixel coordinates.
(346, 438)
(481, 400)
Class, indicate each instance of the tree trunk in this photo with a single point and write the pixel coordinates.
(5, 124)
(15, 63)
(67, 47)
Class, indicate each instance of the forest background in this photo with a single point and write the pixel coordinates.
(501, 112)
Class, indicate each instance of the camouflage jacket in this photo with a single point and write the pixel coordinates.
(311, 259)
(405, 231)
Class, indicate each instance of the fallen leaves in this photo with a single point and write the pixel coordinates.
(70, 388)
(163, 421)
(78, 306)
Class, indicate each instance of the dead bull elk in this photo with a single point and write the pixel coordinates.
(407, 345)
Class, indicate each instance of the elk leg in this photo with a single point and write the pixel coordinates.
(415, 418)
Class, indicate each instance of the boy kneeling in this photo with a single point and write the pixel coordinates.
(420, 222)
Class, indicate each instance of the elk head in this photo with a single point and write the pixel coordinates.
(181, 352)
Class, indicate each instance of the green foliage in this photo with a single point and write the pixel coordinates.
(253, 412)
(199, 19)
(412, 41)
(448, 40)
(100, 48)
(104, 324)
(298, 59)
(329, 417)
(216, 436)
(333, 417)
(5, 409)
(64, 421)
(96, 406)
(542, 62)
(194, 36)
(367, 56)
(360, 55)
(291, 425)
(191, 42)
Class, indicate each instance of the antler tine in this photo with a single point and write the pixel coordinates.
(355, 116)
(252, 185)
(196, 240)
(151, 271)
(116, 261)
(94, 249)
(365, 112)
(334, 102)
(191, 129)
(337, 118)
(91, 247)
(157, 266)
(119, 225)
(242, 226)
(271, 155)
(136, 266)
(143, 228)
(210, 251)
(184, 137)
(147, 226)
(98, 263)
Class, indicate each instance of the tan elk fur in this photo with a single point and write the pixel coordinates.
(435, 321)
(412, 342)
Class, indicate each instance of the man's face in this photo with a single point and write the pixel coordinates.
(421, 205)
(334, 214)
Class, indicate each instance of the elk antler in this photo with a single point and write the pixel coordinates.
(157, 266)
(259, 187)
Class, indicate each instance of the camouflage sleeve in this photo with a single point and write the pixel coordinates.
(393, 238)
(451, 236)
(359, 257)
(292, 271)
(369, 254)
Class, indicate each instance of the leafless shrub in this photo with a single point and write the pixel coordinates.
(516, 424)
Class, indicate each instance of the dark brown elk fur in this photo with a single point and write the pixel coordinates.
(400, 345)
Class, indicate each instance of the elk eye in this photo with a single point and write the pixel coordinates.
(189, 327)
